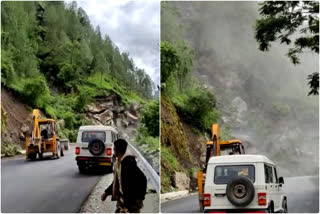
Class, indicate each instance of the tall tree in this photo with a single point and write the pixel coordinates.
(287, 21)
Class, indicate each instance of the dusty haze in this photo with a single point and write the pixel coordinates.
(262, 95)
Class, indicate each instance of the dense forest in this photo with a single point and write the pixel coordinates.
(54, 59)
(56, 44)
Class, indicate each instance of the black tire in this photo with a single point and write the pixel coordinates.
(270, 209)
(58, 150)
(32, 156)
(96, 147)
(284, 206)
(240, 191)
(201, 206)
(82, 169)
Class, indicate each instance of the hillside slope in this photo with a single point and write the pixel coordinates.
(55, 60)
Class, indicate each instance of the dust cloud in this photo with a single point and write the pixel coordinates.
(278, 119)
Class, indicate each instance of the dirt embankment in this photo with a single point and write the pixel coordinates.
(16, 116)
(182, 150)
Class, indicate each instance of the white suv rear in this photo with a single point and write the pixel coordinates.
(94, 147)
(243, 183)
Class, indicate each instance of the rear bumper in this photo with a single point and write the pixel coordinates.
(94, 161)
(236, 211)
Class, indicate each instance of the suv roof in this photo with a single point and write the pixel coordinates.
(97, 128)
(240, 159)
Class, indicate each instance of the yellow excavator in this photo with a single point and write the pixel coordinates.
(215, 147)
(43, 138)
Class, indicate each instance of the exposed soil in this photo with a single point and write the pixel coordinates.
(17, 115)
(197, 144)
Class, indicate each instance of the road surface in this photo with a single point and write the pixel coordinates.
(44, 186)
(302, 193)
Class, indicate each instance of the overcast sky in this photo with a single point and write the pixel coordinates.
(134, 26)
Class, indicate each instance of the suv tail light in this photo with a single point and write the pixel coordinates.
(109, 151)
(77, 150)
(207, 200)
(262, 198)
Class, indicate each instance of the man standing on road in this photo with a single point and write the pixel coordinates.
(129, 183)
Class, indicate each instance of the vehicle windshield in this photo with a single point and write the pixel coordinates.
(88, 136)
(226, 150)
(224, 174)
(230, 149)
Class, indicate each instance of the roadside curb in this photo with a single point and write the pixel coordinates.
(174, 195)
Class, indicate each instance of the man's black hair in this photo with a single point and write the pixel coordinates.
(121, 145)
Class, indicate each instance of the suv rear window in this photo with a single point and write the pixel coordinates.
(88, 136)
(224, 174)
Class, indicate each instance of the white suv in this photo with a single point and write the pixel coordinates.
(94, 148)
(243, 183)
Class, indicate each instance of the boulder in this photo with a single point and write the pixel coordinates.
(105, 117)
(24, 129)
(131, 118)
(134, 109)
(124, 122)
(181, 181)
(93, 108)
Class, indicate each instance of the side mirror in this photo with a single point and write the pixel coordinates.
(281, 181)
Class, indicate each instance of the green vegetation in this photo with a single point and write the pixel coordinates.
(284, 19)
(10, 149)
(148, 132)
(55, 60)
(194, 103)
(169, 164)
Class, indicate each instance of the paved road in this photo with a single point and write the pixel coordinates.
(302, 193)
(44, 186)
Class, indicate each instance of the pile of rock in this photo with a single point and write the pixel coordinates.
(108, 111)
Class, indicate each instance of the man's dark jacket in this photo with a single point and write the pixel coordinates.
(133, 181)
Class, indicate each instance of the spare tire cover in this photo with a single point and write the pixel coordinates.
(240, 191)
(96, 147)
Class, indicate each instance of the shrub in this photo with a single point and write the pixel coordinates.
(197, 107)
(69, 119)
(85, 97)
(150, 118)
(36, 92)
(10, 149)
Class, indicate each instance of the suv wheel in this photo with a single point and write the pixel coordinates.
(61, 152)
(270, 208)
(284, 206)
(58, 150)
(240, 191)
